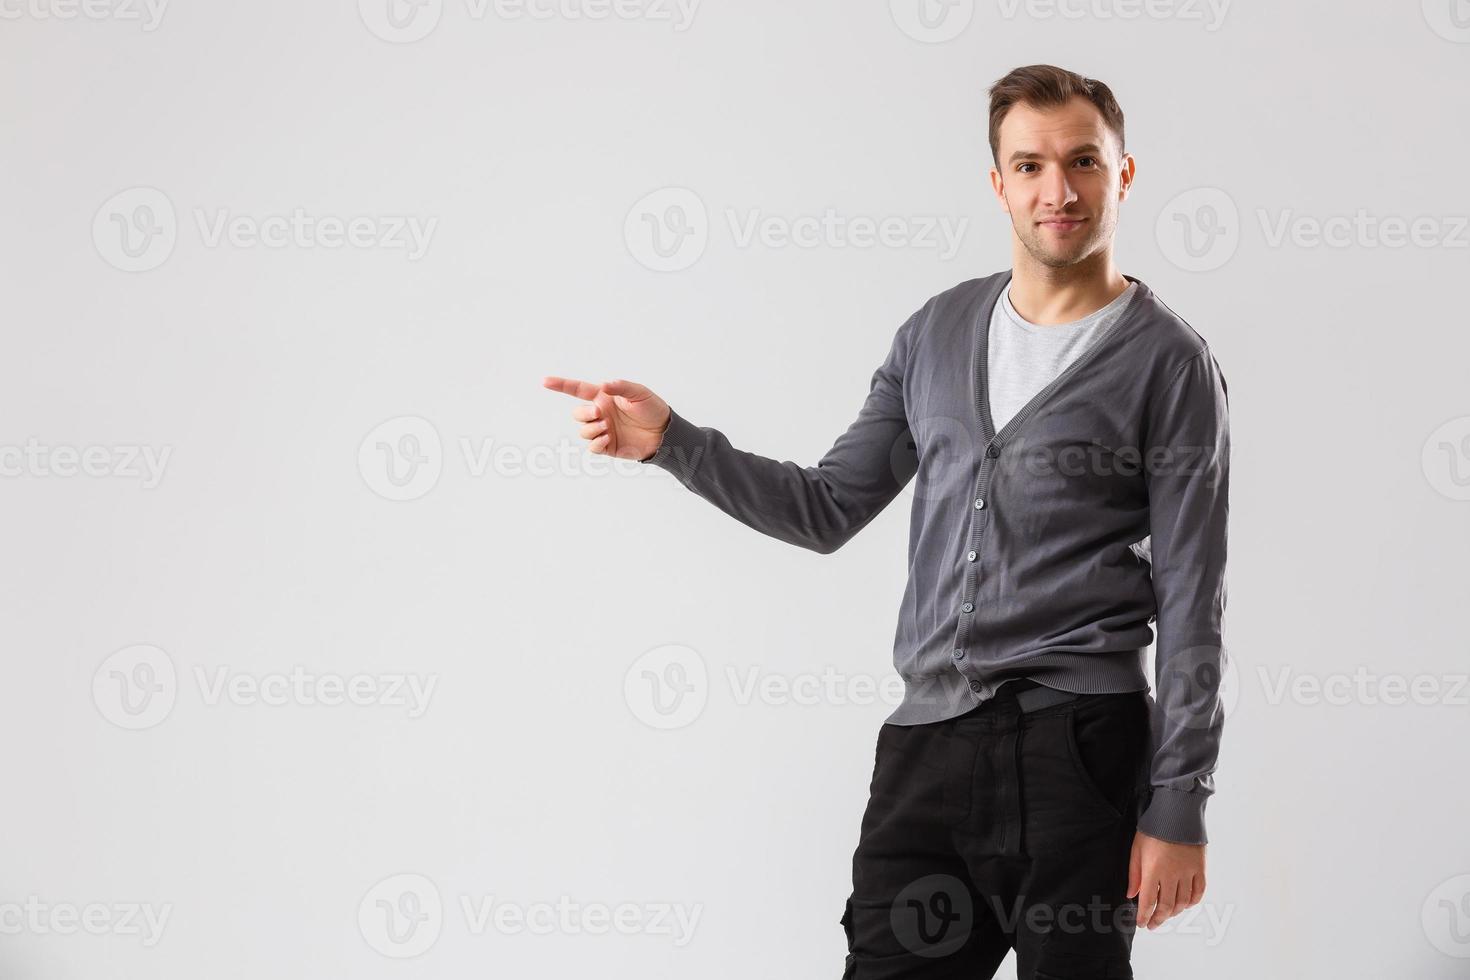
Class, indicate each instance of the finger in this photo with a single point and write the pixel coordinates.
(599, 445)
(589, 412)
(594, 429)
(1148, 900)
(1196, 890)
(1135, 869)
(584, 390)
(1168, 898)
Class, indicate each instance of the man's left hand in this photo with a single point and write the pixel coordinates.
(1167, 878)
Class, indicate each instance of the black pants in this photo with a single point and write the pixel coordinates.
(1007, 827)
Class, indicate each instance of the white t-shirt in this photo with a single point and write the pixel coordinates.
(1022, 358)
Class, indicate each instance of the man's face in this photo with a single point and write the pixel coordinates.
(1061, 179)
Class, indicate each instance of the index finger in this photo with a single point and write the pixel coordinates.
(585, 390)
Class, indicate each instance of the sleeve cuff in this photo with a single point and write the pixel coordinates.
(1175, 816)
(680, 449)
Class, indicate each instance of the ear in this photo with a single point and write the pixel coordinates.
(997, 184)
(1125, 176)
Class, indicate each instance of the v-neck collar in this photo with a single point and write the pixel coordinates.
(981, 368)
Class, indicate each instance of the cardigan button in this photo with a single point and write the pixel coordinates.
(992, 451)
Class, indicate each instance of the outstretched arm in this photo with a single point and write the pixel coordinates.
(819, 507)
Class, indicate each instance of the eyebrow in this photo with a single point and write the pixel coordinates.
(1075, 151)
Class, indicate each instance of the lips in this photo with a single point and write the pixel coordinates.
(1062, 224)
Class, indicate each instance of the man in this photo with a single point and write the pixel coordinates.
(1069, 441)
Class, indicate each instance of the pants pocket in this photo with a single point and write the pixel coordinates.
(849, 965)
(1107, 738)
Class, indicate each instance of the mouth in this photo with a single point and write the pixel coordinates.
(1062, 225)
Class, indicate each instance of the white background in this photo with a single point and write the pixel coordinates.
(533, 774)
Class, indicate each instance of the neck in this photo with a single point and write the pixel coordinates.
(1046, 295)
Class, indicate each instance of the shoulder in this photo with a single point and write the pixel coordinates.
(958, 304)
(1168, 340)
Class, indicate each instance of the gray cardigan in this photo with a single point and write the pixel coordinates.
(1022, 557)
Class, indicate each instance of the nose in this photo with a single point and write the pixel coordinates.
(1057, 190)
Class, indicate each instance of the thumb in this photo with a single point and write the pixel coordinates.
(631, 390)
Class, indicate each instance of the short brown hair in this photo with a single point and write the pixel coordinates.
(1047, 87)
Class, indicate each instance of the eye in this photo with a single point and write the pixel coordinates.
(1091, 161)
(1023, 167)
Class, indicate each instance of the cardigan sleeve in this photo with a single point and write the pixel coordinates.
(819, 507)
(1187, 470)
